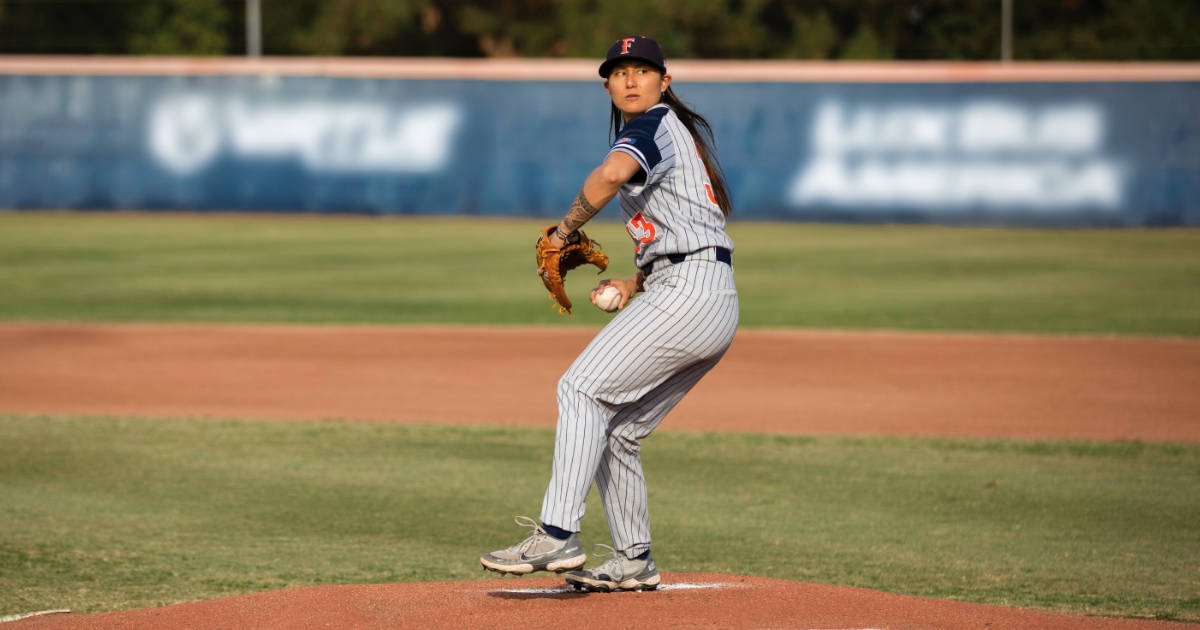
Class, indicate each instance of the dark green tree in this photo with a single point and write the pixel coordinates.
(178, 27)
(718, 29)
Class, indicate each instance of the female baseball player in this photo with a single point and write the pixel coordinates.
(662, 168)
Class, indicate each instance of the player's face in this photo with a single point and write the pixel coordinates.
(636, 87)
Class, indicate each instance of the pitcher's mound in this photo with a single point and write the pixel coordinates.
(685, 600)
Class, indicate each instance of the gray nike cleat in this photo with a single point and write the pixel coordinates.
(539, 552)
(618, 573)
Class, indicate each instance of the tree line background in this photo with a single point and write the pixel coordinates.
(737, 29)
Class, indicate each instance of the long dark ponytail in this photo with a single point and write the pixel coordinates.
(702, 135)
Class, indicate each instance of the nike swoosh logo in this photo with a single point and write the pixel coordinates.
(564, 550)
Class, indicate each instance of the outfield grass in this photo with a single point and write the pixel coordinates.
(109, 513)
(106, 267)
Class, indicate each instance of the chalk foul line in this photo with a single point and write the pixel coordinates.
(33, 614)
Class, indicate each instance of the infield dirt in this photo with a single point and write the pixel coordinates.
(793, 382)
(771, 381)
(685, 601)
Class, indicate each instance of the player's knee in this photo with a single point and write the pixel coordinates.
(566, 385)
(623, 443)
(572, 385)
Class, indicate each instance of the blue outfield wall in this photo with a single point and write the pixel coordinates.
(1121, 154)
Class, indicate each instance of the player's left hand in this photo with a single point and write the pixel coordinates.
(554, 262)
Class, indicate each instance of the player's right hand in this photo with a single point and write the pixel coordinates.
(625, 287)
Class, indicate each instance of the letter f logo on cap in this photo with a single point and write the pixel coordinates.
(626, 43)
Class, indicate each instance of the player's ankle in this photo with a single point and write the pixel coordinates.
(556, 533)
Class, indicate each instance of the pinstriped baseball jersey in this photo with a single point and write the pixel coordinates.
(669, 207)
(657, 348)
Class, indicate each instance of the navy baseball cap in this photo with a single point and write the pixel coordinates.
(634, 47)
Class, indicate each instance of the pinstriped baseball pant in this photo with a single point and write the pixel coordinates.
(626, 381)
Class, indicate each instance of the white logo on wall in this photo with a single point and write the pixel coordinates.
(989, 154)
(188, 132)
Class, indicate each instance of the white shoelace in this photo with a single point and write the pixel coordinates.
(535, 536)
(615, 558)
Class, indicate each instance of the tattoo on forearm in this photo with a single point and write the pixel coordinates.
(581, 211)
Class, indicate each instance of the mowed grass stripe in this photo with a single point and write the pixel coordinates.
(222, 268)
(109, 513)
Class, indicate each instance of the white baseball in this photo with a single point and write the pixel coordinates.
(608, 299)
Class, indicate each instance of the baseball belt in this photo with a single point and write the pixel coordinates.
(722, 255)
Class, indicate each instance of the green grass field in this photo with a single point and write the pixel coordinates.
(110, 513)
(89, 267)
(103, 513)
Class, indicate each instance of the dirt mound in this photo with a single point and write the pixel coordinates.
(686, 600)
(771, 381)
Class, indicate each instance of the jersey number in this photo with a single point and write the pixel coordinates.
(641, 230)
(707, 182)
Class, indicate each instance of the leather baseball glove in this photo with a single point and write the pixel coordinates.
(553, 263)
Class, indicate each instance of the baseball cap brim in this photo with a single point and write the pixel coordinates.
(607, 66)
